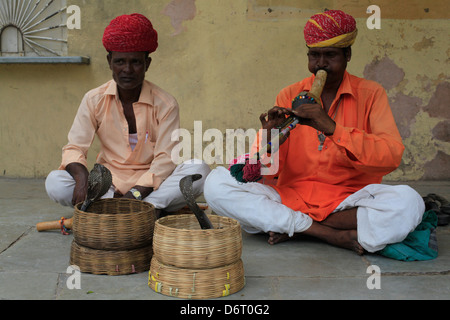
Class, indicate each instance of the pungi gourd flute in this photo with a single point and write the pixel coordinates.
(250, 171)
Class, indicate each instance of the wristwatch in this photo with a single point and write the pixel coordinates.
(136, 193)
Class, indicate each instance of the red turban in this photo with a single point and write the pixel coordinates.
(332, 28)
(130, 33)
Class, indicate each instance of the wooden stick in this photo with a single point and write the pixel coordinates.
(53, 225)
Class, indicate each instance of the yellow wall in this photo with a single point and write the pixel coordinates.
(226, 63)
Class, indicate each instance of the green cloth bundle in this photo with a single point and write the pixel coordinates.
(419, 245)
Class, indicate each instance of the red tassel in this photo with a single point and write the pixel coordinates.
(252, 172)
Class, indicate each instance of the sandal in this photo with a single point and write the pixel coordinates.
(440, 206)
(444, 203)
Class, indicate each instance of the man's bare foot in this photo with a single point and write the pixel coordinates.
(347, 239)
(275, 238)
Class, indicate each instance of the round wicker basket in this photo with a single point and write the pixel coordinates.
(196, 283)
(179, 241)
(114, 224)
(113, 263)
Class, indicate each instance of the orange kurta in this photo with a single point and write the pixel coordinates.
(365, 146)
(101, 113)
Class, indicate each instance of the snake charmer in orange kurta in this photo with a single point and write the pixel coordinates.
(365, 146)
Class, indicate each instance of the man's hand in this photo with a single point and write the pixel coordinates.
(273, 119)
(315, 116)
(145, 192)
(80, 174)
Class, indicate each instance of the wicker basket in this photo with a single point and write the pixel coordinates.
(196, 283)
(113, 263)
(114, 224)
(180, 242)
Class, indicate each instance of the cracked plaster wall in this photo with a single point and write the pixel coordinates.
(225, 62)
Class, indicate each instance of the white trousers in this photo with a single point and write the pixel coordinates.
(60, 185)
(386, 214)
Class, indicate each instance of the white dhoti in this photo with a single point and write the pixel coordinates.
(386, 214)
(60, 185)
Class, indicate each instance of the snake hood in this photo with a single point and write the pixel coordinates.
(99, 182)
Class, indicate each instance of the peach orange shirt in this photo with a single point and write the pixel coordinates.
(365, 146)
(101, 113)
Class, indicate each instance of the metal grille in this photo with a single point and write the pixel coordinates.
(33, 28)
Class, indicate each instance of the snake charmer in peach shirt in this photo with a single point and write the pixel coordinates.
(101, 113)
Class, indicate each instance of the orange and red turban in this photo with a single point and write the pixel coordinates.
(332, 28)
(130, 33)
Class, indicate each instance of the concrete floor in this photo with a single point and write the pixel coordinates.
(33, 265)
